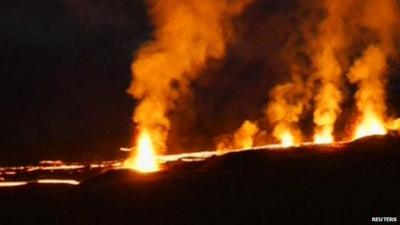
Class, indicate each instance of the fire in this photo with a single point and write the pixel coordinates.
(145, 157)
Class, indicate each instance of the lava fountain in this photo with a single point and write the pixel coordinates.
(325, 137)
(144, 158)
(369, 73)
(370, 126)
(287, 140)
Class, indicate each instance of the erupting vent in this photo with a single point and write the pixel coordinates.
(188, 34)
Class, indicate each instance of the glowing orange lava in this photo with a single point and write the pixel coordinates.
(12, 183)
(370, 126)
(323, 138)
(393, 125)
(145, 158)
(58, 181)
(287, 139)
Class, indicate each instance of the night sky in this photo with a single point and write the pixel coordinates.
(65, 68)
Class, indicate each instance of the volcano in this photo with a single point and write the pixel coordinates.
(345, 183)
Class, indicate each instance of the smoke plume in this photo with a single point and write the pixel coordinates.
(330, 40)
(187, 34)
(369, 72)
(334, 49)
(286, 105)
(243, 138)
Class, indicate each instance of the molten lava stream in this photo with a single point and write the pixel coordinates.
(145, 158)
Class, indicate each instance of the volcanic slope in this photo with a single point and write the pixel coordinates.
(340, 184)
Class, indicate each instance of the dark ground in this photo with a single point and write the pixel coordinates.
(313, 185)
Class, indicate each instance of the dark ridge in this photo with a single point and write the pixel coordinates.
(345, 184)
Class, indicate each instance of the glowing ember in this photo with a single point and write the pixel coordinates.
(145, 158)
